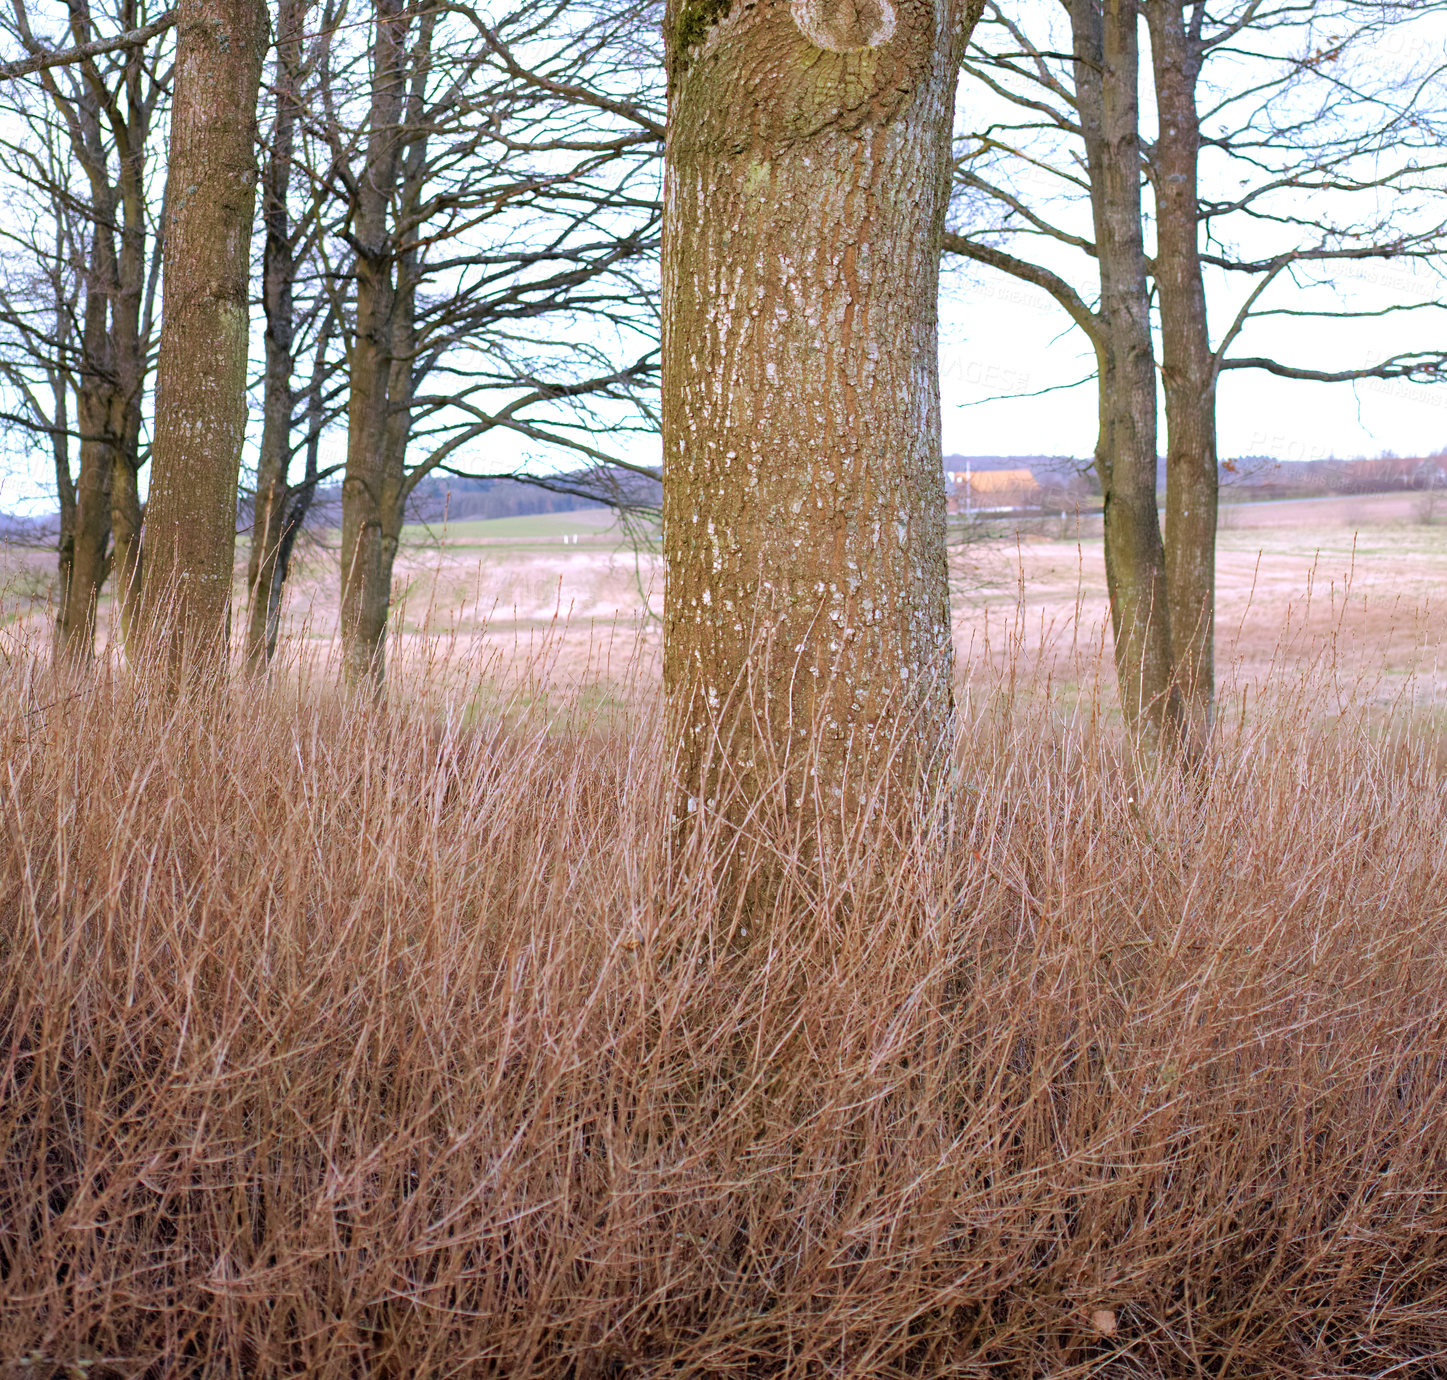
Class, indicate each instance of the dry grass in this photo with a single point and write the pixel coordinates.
(341, 1041)
(1365, 571)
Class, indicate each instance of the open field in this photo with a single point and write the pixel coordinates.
(542, 531)
(1361, 579)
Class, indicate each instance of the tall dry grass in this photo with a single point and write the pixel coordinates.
(340, 1040)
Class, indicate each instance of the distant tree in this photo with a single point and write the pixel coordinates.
(807, 627)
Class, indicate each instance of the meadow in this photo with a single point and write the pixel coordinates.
(342, 1038)
(576, 598)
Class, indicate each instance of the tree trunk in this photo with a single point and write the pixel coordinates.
(1107, 71)
(807, 626)
(91, 527)
(129, 355)
(371, 488)
(201, 384)
(64, 482)
(374, 492)
(1186, 367)
(114, 347)
(126, 515)
(303, 494)
(273, 492)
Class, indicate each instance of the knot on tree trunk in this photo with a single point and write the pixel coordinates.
(842, 26)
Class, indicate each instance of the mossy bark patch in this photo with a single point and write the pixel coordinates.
(691, 29)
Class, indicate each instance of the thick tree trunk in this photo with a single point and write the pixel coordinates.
(201, 385)
(264, 574)
(1107, 72)
(1186, 367)
(807, 627)
(372, 486)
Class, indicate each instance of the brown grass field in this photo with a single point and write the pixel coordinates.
(570, 596)
(349, 1040)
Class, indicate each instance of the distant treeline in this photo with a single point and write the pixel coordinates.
(448, 498)
(1264, 477)
(1254, 476)
(445, 498)
(435, 499)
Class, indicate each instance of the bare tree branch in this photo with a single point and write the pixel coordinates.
(42, 61)
(1027, 272)
(1423, 368)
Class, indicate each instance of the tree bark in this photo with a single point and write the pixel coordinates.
(1107, 73)
(1187, 368)
(264, 573)
(91, 526)
(126, 520)
(201, 385)
(379, 415)
(371, 488)
(370, 485)
(807, 625)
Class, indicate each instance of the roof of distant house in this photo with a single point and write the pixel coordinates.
(994, 481)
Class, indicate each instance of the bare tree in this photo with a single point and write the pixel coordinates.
(1325, 124)
(42, 59)
(1106, 68)
(807, 626)
(466, 219)
(289, 250)
(494, 218)
(1088, 101)
(43, 267)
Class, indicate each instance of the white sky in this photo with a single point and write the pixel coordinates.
(999, 336)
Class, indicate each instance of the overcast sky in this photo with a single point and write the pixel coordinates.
(1001, 337)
